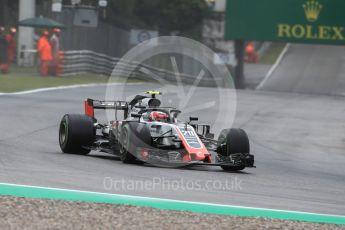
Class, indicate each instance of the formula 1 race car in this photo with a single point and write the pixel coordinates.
(150, 133)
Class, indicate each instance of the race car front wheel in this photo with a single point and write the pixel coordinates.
(125, 155)
(134, 135)
(76, 133)
(234, 141)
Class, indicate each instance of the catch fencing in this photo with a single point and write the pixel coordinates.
(89, 62)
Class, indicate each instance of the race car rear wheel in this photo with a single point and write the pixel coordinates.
(236, 141)
(76, 133)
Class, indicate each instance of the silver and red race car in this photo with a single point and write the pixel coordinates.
(153, 134)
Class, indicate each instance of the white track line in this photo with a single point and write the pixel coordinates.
(63, 88)
(273, 68)
(168, 200)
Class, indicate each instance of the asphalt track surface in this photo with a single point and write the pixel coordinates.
(298, 141)
(311, 69)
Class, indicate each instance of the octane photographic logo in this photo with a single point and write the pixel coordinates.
(157, 183)
(184, 71)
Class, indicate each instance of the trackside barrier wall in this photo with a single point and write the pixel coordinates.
(89, 62)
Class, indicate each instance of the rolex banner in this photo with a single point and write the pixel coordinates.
(301, 21)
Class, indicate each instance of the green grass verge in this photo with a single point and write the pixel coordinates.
(61, 194)
(20, 79)
(272, 53)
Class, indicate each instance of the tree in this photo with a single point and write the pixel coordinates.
(8, 12)
(181, 15)
(184, 16)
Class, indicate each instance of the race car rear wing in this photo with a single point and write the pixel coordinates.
(91, 105)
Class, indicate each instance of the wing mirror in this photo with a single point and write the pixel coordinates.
(190, 120)
(193, 119)
(177, 139)
(135, 115)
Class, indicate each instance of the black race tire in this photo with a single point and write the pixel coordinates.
(133, 135)
(125, 154)
(76, 133)
(232, 168)
(236, 141)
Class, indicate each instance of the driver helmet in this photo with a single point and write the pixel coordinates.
(158, 116)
